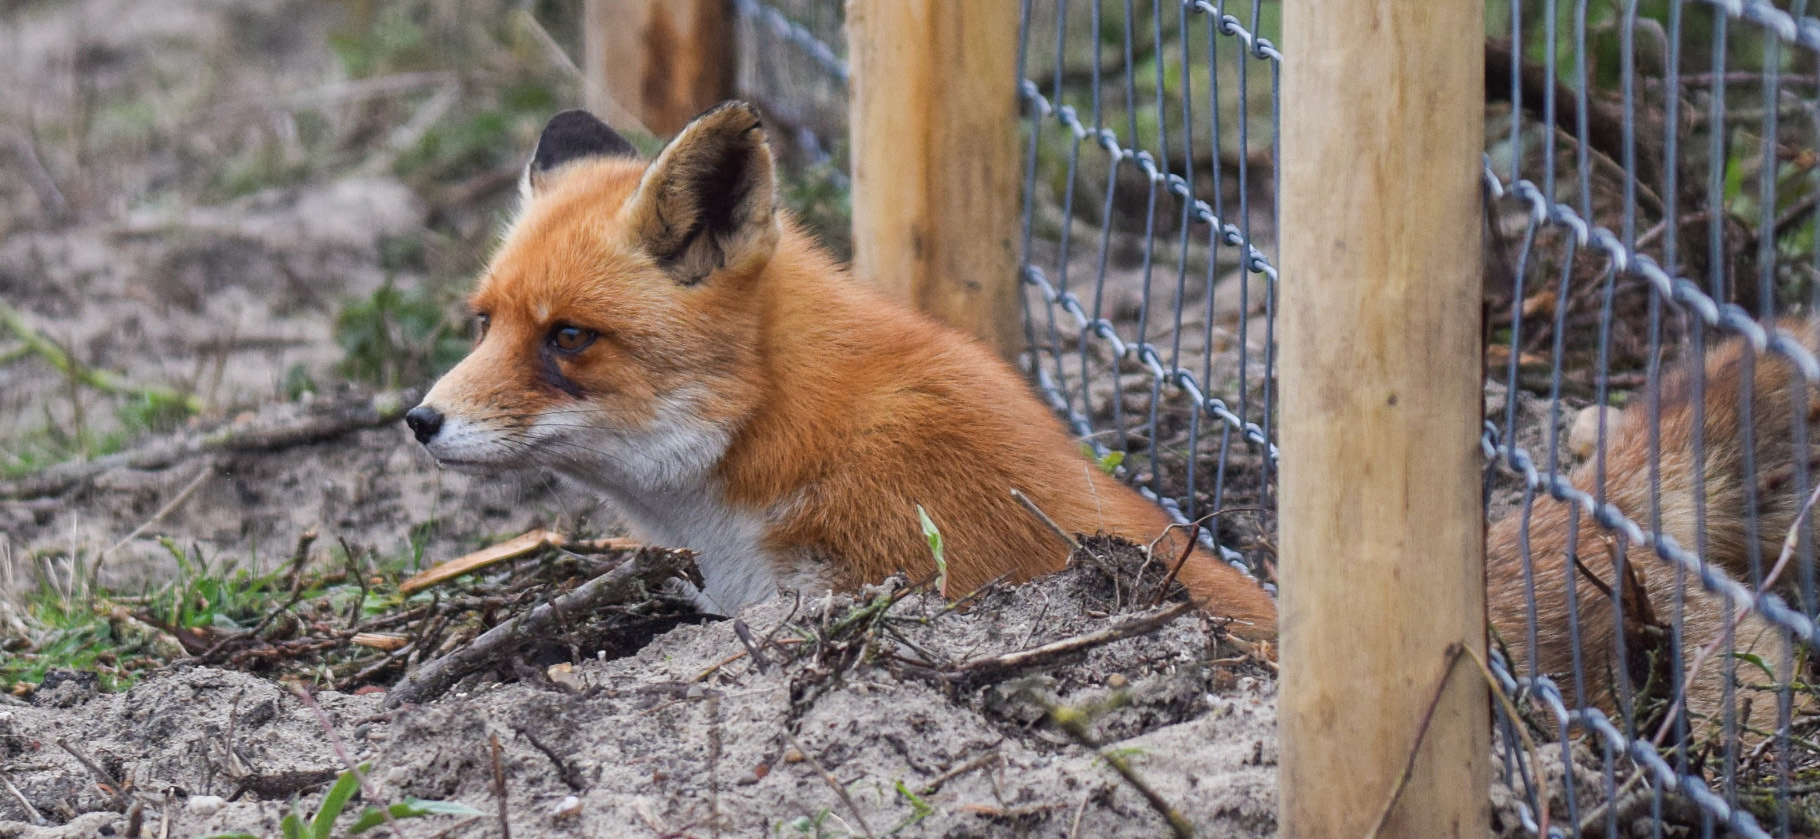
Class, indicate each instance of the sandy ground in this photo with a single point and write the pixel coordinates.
(192, 194)
(677, 740)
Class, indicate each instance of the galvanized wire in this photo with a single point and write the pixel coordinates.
(1202, 226)
(1149, 191)
(781, 48)
(1089, 129)
(1568, 194)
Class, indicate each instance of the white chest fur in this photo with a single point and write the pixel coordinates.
(662, 480)
(735, 566)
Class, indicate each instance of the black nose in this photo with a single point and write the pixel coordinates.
(424, 421)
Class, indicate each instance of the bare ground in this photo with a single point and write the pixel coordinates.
(669, 740)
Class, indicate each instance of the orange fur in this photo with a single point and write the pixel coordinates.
(1778, 393)
(831, 411)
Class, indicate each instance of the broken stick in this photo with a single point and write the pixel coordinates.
(641, 573)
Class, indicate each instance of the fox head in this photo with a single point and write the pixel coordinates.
(615, 325)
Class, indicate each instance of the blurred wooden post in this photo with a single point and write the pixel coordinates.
(657, 62)
(934, 124)
(1382, 528)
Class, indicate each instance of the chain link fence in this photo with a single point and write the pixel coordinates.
(1652, 174)
(1148, 236)
(1651, 184)
(1148, 228)
(793, 64)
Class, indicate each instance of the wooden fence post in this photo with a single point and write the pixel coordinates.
(659, 62)
(1383, 571)
(934, 124)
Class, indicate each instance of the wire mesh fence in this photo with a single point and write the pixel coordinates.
(1148, 230)
(1652, 174)
(1149, 218)
(1650, 169)
(793, 64)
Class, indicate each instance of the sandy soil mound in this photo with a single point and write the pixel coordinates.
(854, 723)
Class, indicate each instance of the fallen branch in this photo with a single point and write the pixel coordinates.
(997, 665)
(630, 581)
(513, 548)
(165, 452)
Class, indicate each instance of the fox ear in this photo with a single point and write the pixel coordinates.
(707, 202)
(571, 135)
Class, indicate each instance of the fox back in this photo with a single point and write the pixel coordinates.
(662, 334)
(1735, 504)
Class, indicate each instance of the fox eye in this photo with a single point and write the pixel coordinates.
(482, 320)
(572, 339)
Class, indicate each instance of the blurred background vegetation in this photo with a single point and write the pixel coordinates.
(333, 173)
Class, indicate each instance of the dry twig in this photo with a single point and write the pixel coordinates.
(1194, 532)
(1789, 542)
(341, 751)
(1066, 537)
(30, 811)
(1454, 651)
(640, 573)
(999, 665)
(1074, 723)
(499, 787)
(935, 784)
(525, 543)
(1529, 743)
(833, 783)
(113, 786)
(208, 468)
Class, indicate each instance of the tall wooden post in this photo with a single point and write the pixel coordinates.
(660, 62)
(1382, 527)
(933, 120)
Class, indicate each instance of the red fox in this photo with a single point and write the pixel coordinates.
(661, 333)
(1742, 479)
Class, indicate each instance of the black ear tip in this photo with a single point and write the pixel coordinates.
(574, 119)
(576, 133)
